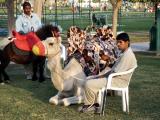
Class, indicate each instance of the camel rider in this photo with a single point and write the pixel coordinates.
(25, 23)
(28, 21)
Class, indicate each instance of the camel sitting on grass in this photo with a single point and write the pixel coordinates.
(69, 80)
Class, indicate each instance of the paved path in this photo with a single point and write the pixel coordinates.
(142, 46)
(139, 46)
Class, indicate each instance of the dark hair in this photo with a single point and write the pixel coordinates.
(26, 4)
(123, 36)
(109, 27)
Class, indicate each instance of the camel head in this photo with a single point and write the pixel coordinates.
(49, 47)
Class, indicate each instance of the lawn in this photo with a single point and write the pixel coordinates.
(127, 24)
(28, 100)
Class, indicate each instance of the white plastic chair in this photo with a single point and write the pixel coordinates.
(123, 90)
(63, 52)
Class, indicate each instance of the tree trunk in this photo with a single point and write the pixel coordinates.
(38, 4)
(11, 19)
(114, 21)
(116, 4)
(155, 7)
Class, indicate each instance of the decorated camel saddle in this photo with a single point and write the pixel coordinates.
(25, 42)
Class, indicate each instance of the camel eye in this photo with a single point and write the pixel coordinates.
(50, 44)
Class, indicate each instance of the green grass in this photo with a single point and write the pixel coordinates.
(139, 36)
(2, 1)
(137, 24)
(127, 24)
(28, 100)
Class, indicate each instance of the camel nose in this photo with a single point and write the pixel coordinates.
(39, 49)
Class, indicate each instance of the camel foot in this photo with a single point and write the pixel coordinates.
(80, 99)
(66, 102)
(53, 100)
(72, 100)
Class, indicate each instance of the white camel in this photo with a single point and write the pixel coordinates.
(68, 81)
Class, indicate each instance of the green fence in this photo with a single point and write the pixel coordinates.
(3, 19)
(82, 17)
(127, 21)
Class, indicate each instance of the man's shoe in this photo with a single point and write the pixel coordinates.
(82, 108)
(2, 83)
(98, 110)
(87, 108)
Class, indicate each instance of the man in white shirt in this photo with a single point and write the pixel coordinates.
(25, 23)
(28, 21)
(126, 61)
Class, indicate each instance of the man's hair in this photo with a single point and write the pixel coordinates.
(109, 27)
(123, 37)
(26, 4)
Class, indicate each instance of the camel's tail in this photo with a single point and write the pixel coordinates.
(1, 52)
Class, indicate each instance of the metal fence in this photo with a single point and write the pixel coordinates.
(3, 19)
(66, 16)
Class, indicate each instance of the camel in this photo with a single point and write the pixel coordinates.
(69, 81)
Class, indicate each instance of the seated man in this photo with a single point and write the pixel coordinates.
(126, 60)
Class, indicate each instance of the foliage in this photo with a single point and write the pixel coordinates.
(80, 1)
(2, 1)
(143, 0)
(95, 1)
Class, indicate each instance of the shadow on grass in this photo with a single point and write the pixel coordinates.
(42, 91)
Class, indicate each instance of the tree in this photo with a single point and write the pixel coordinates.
(155, 2)
(116, 4)
(11, 19)
(38, 4)
(154, 31)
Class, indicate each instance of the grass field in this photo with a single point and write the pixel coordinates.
(127, 24)
(137, 24)
(28, 100)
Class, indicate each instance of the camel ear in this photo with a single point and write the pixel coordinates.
(53, 33)
(58, 37)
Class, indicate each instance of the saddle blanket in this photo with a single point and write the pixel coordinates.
(25, 42)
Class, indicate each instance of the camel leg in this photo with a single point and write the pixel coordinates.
(4, 63)
(6, 77)
(79, 91)
(72, 100)
(0, 77)
(35, 67)
(75, 99)
(64, 98)
(41, 69)
(56, 99)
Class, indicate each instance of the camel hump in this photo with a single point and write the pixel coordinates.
(73, 67)
(73, 64)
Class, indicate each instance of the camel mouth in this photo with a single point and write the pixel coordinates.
(39, 49)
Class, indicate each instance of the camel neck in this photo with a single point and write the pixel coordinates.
(54, 64)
